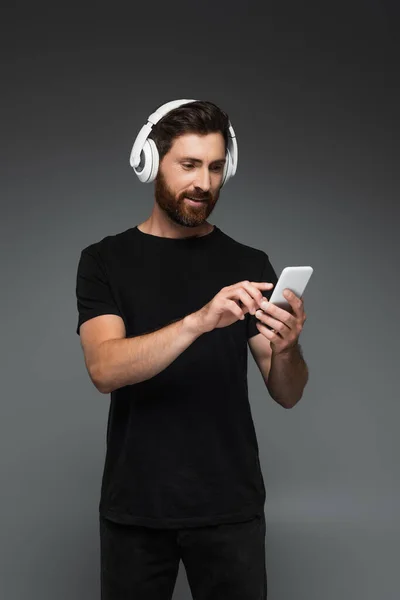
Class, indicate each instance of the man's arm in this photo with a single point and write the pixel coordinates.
(114, 361)
(128, 361)
(287, 376)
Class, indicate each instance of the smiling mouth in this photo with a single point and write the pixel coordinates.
(195, 200)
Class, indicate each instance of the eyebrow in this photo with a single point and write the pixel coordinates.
(197, 160)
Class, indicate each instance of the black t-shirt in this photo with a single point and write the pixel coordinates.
(181, 446)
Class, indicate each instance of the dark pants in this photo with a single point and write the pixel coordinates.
(222, 562)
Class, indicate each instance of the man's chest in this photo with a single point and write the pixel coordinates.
(152, 293)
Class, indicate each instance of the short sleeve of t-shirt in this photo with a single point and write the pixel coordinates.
(93, 292)
(268, 275)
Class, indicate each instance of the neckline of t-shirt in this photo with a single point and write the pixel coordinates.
(189, 240)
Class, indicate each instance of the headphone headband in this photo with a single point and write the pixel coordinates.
(144, 151)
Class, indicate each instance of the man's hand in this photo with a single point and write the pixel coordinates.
(224, 309)
(287, 326)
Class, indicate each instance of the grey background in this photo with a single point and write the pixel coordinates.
(312, 92)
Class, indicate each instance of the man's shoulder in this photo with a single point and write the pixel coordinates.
(243, 249)
(108, 243)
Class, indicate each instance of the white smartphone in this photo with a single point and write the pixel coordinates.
(293, 278)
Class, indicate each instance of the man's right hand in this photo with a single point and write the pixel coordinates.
(224, 309)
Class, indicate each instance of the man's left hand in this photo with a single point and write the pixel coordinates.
(287, 326)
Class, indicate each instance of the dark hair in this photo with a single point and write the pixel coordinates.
(194, 117)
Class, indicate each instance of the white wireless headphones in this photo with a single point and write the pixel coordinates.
(144, 157)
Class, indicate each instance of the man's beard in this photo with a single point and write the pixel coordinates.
(180, 211)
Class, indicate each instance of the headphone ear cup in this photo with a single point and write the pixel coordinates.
(227, 168)
(155, 160)
(148, 166)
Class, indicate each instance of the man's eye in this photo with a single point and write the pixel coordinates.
(191, 166)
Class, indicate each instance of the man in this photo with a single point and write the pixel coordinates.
(166, 311)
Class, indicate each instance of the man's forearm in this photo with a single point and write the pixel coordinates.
(131, 360)
(287, 377)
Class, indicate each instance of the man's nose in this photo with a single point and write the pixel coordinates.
(203, 180)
